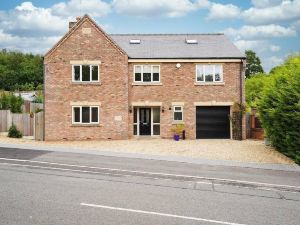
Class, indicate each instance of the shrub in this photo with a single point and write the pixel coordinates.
(279, 108)
(16, 104)
(13, 132)
(12, 102)
(4, 102)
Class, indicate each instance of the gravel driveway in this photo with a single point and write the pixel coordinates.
(243, 151)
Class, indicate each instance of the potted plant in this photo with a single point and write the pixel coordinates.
(177, 130)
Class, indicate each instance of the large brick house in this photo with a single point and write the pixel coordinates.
(100, 86)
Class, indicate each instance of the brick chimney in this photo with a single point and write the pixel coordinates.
(71, 24)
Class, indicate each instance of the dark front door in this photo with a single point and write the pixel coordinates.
(145, 121)
(212, 122)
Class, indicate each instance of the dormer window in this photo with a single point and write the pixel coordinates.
(191, 41)
(135, 41)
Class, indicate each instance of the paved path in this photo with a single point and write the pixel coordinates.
(44, 187)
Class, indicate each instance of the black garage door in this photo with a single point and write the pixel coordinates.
(212, 122)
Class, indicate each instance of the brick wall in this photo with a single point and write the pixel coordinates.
(60, 91)
(178, 85)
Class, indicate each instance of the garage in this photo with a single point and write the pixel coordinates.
(212, 122)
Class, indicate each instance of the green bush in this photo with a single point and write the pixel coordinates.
(4, 102)
(13, 132)
(12, 102)
(254, 87)
(279, 108)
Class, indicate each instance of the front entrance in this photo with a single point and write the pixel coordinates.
(145, 121)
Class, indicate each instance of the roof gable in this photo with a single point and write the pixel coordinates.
(75, 27)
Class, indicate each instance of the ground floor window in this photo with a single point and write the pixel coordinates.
(85, 114)
(146, 121)
(178, 113)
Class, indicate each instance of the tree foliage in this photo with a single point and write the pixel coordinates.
(253, 65)
(279, 108)
(254, 88)
(20, 71)
(11, 102)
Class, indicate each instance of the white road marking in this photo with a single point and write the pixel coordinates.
(160, 214)
(152, 173)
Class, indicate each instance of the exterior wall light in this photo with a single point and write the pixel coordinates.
(178, 65)
(162, 109)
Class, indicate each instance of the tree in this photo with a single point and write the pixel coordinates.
(253, 65)
(20, 71)
(279, 108)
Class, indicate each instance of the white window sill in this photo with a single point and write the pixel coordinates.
(209, 83)
(87, 83)
(146, 84)
(177, 122)
(86, 125)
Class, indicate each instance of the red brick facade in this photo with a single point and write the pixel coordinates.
(116, 92)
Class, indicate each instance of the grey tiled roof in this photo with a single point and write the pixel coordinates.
(172, 46)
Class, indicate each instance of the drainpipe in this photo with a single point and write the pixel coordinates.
(44, 111)
(242, 82)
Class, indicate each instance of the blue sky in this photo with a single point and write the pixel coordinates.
(269, 27)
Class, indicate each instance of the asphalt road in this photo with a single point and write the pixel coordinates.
(43, 187)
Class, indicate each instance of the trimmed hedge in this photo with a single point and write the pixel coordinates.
(279, 108)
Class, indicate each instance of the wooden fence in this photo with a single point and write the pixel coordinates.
(24, 122)
(39, 126)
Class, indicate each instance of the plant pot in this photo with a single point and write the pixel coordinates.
(176, 137)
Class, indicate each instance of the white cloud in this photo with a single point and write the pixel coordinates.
(270, 62)
(275, 48)
(261, 32)
(28, 20)
(255, 45)
(37, 45)
(95, 8)
(287, 10)
(220, 11)
(265, 3)
(146, 8)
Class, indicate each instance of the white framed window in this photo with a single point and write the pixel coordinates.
(177, 113)
(85, 114)
(85, 73)
(207, 73)
(146, 73)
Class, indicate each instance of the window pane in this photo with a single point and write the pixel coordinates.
(156, 129)
(137, 73)
(177, 108)
(76, 114)
(135, 115)
(156, 115)
(85, 114)
(218, 73)
(147, 77)
(85, 73)
(155, 70)
(137, 77)
(200, 76)
(134, 129)
(209, 70)
(177, 115)
(147, 73)
(155, 76)
(77, 73)
(95, 73)
(95, 115)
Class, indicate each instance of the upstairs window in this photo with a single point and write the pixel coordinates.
(85, 115)
(85, 73)
(147, 73)
(209, 73)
